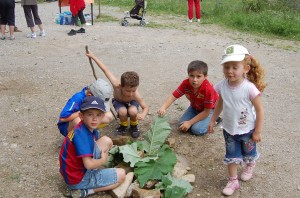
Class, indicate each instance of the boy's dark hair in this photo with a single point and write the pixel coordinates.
(130, 79)
(198, 65)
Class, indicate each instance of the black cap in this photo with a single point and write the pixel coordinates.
(92, 102)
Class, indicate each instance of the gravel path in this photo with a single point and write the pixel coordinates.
(37, 76)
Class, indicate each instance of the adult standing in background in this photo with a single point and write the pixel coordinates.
(31, 12)
(191, 4)
(7, 13)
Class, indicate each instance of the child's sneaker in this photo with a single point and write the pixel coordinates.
(32, 35)
(134, 130)
(190, 20)
(247, 171)
(72, 32)
(218, 121)
(42, 33)
(11, 38)
(121, 130)
(79, 193)
(198, 20)
(2, 37)
(81, 30)
(232, 185)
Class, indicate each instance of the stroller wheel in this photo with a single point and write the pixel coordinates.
(142, 23)
(124, 23)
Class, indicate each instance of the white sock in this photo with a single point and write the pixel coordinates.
(91, 191)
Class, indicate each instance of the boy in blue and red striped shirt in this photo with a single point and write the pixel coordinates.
(83, 152)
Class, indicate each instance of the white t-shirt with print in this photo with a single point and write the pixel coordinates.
(238, 111)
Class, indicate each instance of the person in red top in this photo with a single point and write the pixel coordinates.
(76, 8)
(202, 96)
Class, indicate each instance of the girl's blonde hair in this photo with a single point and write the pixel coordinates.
(256, 73)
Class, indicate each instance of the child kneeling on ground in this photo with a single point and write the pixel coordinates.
(202, 96)
(84, 152)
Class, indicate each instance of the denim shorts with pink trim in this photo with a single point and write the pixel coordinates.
(240, 148)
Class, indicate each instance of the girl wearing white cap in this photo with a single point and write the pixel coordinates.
(240, 101)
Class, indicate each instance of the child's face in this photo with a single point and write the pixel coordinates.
(128, 91)
(234, 71)
(91, 118)
(196, 78)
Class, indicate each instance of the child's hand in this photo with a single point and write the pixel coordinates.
(89, 54)
(211, 127)
(256, 137)
(185, 126)
(140, 116)
(104, 155)
(161, 112)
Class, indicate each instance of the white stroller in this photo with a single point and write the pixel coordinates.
(137, 12)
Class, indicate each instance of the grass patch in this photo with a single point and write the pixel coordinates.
(16, 177)
(278, 18)
(106, 18)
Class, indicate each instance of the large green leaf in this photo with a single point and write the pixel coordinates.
(156, 136)
(173, 187)
(174, 192)
(131, 155)
(155, 169)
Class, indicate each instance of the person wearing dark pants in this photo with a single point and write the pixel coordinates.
(77, 7)
(7, 17)
(32, 17)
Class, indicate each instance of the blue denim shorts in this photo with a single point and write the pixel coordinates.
(240, 148)
(97, 178)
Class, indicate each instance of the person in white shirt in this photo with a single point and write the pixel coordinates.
(240, 101)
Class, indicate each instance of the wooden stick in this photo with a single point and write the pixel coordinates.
(91, 63)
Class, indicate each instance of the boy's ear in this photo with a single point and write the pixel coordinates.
(80, 115)
(88, 92)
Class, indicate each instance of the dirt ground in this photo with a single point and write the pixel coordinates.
(37, 76)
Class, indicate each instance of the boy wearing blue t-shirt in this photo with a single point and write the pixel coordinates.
(84, 152)
(69, 116)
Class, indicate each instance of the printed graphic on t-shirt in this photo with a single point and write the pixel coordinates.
(243, 117)
(200, 96)
(71, 135)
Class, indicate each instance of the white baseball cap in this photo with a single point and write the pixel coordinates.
(234, 53)
(102, 89)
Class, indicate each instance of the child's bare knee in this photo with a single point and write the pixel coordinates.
(132, 111)
(121, 175)
(122, 112)
(105, 143)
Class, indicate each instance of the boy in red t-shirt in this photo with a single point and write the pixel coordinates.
(202, 96)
